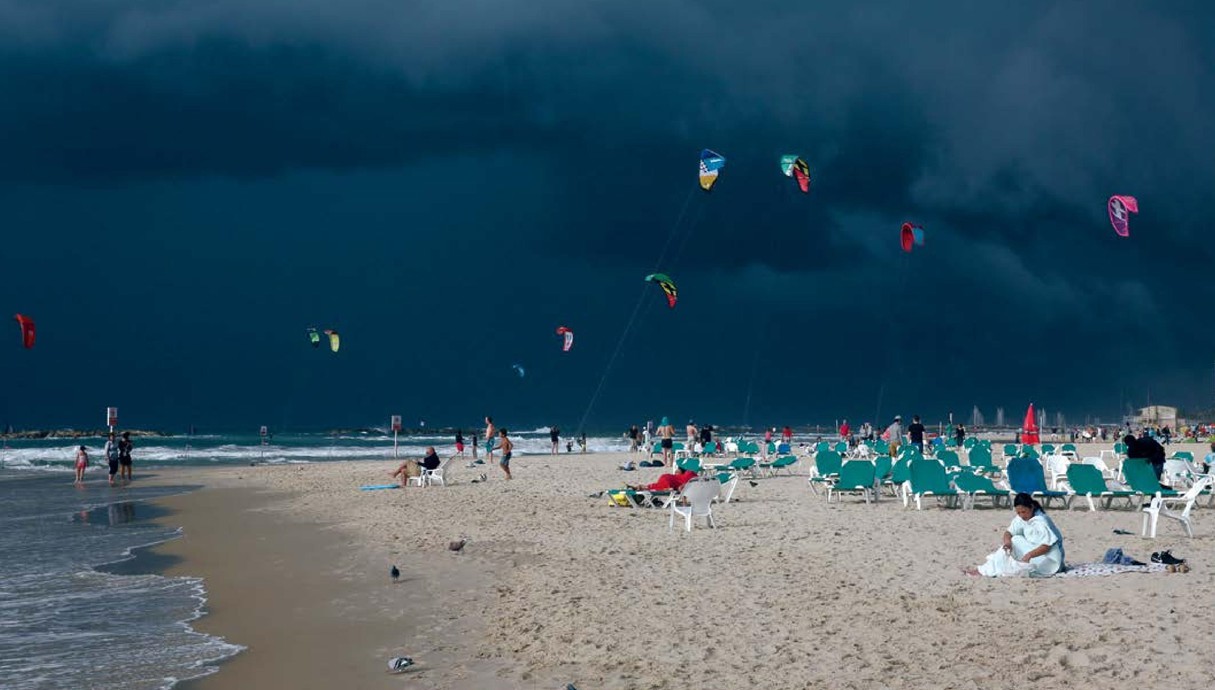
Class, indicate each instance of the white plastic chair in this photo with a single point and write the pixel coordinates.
(1056, 467)
(1099, 463)
(699, 494)
(1165, 506)
(436, 476)
(1176, 473)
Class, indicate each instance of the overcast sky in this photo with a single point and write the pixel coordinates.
(185, 186)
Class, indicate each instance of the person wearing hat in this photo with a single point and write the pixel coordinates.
(666, 432)
(894, 435)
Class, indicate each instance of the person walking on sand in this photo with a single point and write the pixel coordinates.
(111, 456)
(489, 439)
(82, 463)
(124, 456)
(691, 431)
(666, 432)
(916, 432)
(460, 442)
(507, 446)
(894, 435)
(554, 435)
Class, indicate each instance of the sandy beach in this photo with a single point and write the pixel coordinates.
(556, 587)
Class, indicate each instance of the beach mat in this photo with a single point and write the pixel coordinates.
(376, 487)
(1103, 569)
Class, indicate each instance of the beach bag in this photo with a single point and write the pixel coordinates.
(1117, 557)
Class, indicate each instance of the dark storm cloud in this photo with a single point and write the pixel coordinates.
(1001, 129)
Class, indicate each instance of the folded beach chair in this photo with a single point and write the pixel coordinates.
(1166, 506)
(1025, 476)
(971, 486)
(856, 476)
(699, 494)
(1085, 480)
(928, 479)
(826, 468)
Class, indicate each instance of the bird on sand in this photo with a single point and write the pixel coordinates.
(456, 545)
(396, 574)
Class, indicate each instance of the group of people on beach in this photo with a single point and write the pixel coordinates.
(117, 455)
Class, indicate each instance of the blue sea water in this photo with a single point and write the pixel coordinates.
(58, 455)
(69, 620)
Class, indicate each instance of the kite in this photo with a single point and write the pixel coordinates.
(569, 338)
(517, 368)
(911, 235)
(314, 337)
(668, 286)
(335, 340)
(796, 168)
(1119, 206)
(710, 163)
(27, 330)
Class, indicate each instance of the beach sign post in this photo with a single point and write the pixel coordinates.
(111, 418)
(396, 429)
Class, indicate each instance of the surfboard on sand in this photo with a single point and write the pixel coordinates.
(375, 487)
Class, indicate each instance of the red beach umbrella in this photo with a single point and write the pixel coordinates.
(1029, 430)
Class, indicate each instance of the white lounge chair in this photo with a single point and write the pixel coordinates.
(699, 494)
(1166, 506)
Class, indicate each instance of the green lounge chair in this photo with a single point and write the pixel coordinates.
(784, 462)
(979, 460)
(856, 476)
(950, 460)
(972, 485)
(900, 474)
(827, 465)
(928, 479)
(1086, 480)
(1142, 480)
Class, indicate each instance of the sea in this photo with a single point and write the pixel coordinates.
(82, 604)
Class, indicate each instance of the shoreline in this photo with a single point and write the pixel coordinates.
(556, 587)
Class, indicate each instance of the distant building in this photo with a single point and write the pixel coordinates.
(1156, 415)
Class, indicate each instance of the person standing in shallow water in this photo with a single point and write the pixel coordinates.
(507, 446)
(124, 456)
(554, 435)
(111, 456)
(82, 463)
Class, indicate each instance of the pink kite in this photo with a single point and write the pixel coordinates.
(1119, 206)
(911, 235)
(569, 338)
(27, 330)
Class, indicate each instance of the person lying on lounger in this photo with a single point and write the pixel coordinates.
(1033, 546)
(667, 482)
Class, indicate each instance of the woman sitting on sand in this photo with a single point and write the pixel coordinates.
(1033, 546)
